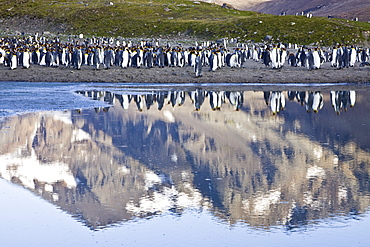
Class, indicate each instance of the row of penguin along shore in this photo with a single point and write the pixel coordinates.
(164, 61)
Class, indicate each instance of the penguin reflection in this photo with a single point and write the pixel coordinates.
(340, 100)
(236, 99)
(276, 100)
(314, 101)
(197, 97)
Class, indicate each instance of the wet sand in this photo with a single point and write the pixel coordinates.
(252, 72)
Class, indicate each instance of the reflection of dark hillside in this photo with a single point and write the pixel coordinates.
(249, 165)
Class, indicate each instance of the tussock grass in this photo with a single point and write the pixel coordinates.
(168, 18)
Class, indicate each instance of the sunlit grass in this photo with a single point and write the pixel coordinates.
(141, 18)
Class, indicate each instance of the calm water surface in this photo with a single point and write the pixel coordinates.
(184, 165)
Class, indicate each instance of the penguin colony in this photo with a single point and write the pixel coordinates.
(102, 53)
(312, 100)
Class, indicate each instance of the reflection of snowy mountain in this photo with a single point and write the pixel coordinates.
(245, 165)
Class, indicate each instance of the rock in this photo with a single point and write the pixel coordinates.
(227, 6)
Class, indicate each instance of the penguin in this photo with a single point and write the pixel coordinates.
(213, 62)
(108, 58)
(42, 57)
(255, 54)
(310, 60)
(275, 57)
(234, 61)
(352, 56)
(96, 58)
(334, 57)
(283, 55)
(316, 59)
(339, 58)
(48, 58)
(135, 59)
(13, 60)
(345, 57)
(180, 58)
(242, 57)
(118, 57)
(148, 59)
(198, 66)
(173, 58)
(302, 57)
(2, 55)
(266, 57)
(292, 60)
(160, 57)
(26, 59)
(77, 58)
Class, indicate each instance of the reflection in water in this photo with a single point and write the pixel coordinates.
(312, 100)
(131, 161)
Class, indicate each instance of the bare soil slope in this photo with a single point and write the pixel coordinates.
(347, 9)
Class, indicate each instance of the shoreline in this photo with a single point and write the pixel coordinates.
(252, 72)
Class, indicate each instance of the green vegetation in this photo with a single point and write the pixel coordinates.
(169, 18)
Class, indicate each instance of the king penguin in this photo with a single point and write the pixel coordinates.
(198, 66)
(13, 60)
(26, 59)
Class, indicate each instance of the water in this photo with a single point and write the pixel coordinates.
(181, 165)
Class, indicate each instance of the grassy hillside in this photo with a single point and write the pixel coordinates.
(166, 18)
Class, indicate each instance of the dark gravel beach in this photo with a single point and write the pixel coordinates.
(253, 72)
